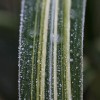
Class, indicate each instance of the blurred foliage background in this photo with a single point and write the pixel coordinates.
(9, 32)
(92, 51)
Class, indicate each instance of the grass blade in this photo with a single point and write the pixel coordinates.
(44, 50)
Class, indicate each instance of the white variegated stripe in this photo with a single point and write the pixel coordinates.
(52, 9)
(55, 49)
(20, 46)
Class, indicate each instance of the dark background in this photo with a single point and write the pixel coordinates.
(9, 32)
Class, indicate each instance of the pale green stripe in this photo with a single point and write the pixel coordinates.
(66, 47)
(43, 62)
(40, 51)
